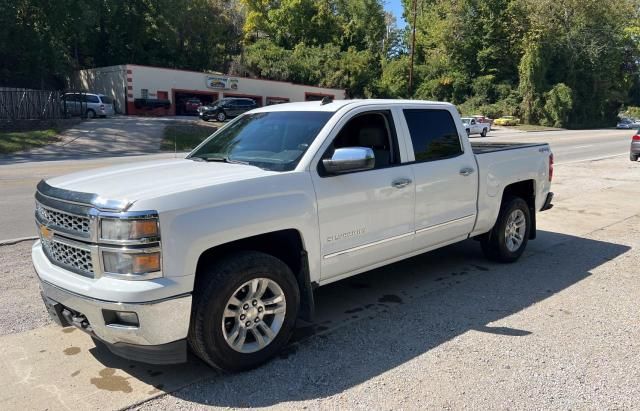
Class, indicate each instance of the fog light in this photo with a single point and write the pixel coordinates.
(127, 318)
(123, 318)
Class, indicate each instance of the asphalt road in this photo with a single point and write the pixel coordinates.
(572, 145)
(18, 180)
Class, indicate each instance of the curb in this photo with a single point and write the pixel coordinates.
(17, 240)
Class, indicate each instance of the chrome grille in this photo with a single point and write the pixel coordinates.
(75, 258)
(68, 222)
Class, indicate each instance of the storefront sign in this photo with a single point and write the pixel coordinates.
(222, 83)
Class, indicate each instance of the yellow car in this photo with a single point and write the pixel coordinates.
(507, 121)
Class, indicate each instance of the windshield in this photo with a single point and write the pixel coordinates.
(273, 140)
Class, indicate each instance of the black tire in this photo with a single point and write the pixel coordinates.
(484, 132)
(221, 116)
(468, 133)
(633, 157)
(219, 282)
(91, 113)
(494, 245)
(205, 118)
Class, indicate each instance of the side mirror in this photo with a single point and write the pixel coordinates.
(345, 160)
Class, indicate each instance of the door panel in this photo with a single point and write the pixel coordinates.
(365, 217)
(445, 200)
(446, 177)
(359, 210)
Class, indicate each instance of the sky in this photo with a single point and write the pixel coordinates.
(395, 7)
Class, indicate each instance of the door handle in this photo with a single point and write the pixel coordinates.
(467, 171)
(401, 183)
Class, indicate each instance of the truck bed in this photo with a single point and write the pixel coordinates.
(484, 148)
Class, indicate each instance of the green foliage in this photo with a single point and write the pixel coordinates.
(631, 111)
(42, 42)
(184, 136)
(558, 106)
(563, 62)
(10, 142)
(331, 43)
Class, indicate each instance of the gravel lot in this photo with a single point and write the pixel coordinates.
(21, 307)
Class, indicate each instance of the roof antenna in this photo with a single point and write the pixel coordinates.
(326, 100)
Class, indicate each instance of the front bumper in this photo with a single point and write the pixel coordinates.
(159, 338)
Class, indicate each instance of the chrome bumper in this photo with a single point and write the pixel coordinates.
(160, 322)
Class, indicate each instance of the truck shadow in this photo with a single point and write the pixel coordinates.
(376, 321)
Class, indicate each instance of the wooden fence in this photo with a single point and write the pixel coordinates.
(26, 104)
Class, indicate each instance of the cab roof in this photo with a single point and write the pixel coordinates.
(336, 105)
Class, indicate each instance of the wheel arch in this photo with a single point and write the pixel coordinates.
(286, 245)
(526, 190)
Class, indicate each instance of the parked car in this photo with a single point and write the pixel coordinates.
(227, 108)
(89, 104)
(507, 121)
(472, 126)
(626, 124)
(191, 105)
(223, 252)
(484, 119)
(635, 146)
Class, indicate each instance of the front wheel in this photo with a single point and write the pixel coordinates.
(244, 311)
(507, 240)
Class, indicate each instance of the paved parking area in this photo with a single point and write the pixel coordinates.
(100, 137)
(447, 329)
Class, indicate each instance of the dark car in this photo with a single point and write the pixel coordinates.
(227, 108)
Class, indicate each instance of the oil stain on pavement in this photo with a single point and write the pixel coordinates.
(109, 381)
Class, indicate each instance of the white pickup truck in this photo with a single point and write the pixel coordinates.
(473, 126)
(221, 250)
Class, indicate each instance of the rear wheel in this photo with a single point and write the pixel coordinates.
(91, 113)
(508, 239)
(221, 116)
(484, 132)
(244, 311)
(633, 157)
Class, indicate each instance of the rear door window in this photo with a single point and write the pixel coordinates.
(433, 134)
(91, 99)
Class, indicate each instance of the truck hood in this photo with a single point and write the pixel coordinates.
(151, 179)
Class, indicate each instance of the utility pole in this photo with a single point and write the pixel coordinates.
(413, 45)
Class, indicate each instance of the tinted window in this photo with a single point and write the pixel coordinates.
(274, 141)
(91, 99)
(433, 134)
(106, 100)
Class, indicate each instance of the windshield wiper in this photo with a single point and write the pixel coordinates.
(226, 159)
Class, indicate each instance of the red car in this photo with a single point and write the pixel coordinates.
(191, 105)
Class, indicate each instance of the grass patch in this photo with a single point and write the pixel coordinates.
(13, 141)
(184, 137)
(532, 127)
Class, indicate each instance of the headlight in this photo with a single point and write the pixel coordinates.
(130, 263)
(127, 230)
